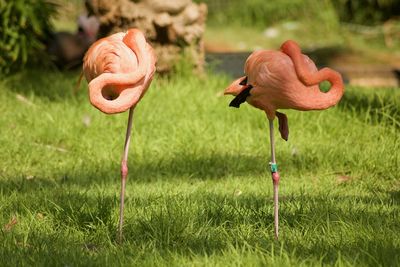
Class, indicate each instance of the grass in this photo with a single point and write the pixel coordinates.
(199, 192)
(314, 24)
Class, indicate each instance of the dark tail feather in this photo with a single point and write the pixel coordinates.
(240, 98)
(283, 125)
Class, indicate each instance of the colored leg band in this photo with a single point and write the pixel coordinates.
(274, 167)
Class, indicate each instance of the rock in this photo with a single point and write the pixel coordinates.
(163, 19)
(190, 14)
(173, 27)
(170, 6)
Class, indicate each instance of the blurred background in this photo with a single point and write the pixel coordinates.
(359, 38)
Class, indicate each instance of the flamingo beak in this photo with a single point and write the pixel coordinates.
(240, 89)
(236, 87)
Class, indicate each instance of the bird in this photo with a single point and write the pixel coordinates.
(119, 70)
(283, 79)
(67, 49)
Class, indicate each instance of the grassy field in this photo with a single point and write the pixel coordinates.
(199, 192)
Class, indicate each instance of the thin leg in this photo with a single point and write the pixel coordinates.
(124, 173)
(275, 178)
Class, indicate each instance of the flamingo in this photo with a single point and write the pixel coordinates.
(119, 69)
(284, 79)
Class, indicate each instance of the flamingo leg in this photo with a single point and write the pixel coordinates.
(124, 173)
(275, 177)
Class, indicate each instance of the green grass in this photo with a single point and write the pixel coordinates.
(199, 192)
(245, 26)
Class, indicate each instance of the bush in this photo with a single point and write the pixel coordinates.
(369, 12)
(261, 13)
(24, 27)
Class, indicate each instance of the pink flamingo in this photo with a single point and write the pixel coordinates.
(284, 79)
(119, 69)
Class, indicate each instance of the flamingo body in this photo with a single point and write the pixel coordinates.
(287, 79)
(119, 69)
(284, 79)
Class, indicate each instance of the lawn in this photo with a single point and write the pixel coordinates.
(199, 192)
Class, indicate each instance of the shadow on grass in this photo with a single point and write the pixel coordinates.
(52, 84)
(183, 167)
(186, 167)
(49, 249)
(395, 196)
(318, 227)
(210, 223)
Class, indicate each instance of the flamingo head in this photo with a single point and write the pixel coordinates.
(240, 89)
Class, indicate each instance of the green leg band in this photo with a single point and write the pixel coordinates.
(274, 167)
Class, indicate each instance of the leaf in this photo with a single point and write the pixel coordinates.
(24, 28)
(86, 120)
(343, 178)
(237, 192)
(24, 50)
(10, 225)
(15, 53)
(24, 100)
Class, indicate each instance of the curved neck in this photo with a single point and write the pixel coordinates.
(135, 40)
(336, 91)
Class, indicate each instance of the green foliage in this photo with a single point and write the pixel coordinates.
(367, 12)
(24, 26)
(263, 13)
